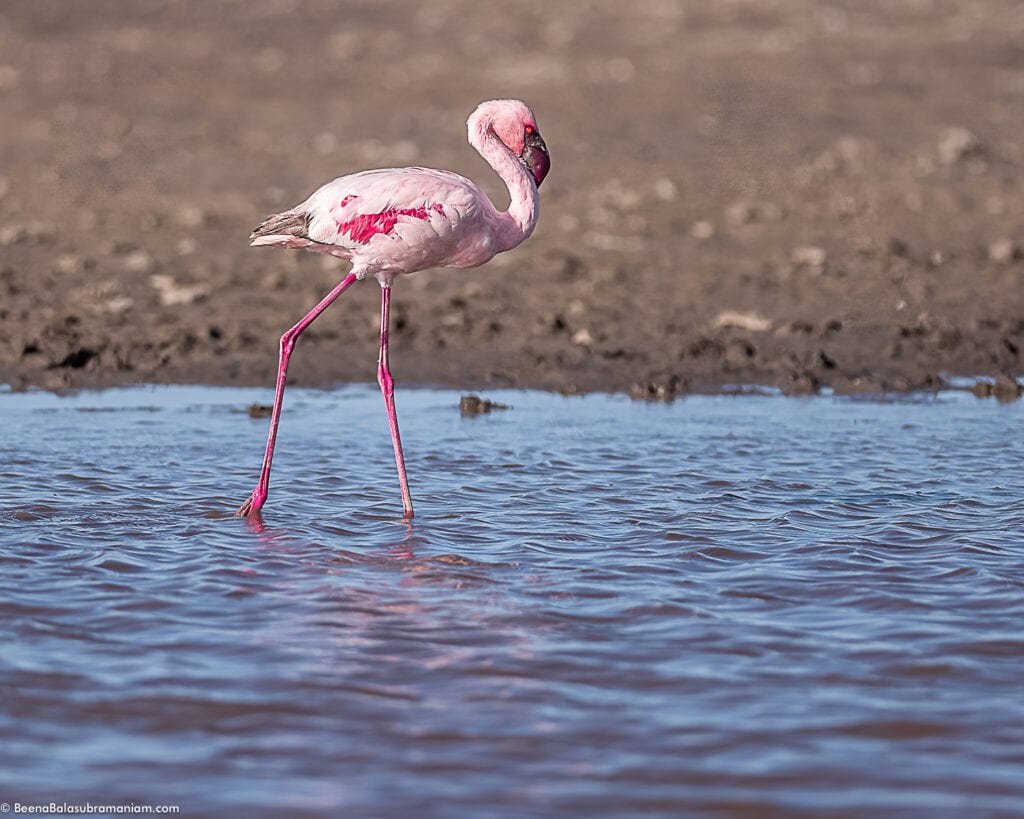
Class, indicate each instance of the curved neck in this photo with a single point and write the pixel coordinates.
(517, 223)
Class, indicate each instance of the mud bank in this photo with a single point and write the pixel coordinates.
(795, 195)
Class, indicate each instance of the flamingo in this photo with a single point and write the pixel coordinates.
(395, 221)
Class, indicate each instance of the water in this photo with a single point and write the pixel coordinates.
(723, 605)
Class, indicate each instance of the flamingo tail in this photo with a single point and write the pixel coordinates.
(282, 228)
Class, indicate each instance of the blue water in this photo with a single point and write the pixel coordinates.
(723, 605)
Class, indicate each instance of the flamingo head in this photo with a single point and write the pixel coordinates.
(514, 124)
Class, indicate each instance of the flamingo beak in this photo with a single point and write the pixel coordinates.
(535, 157)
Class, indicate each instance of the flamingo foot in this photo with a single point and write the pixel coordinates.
(252, 506)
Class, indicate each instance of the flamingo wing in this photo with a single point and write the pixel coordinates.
(403, 219)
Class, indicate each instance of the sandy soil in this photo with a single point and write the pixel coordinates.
(800, 193)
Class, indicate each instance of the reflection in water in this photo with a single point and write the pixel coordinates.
(603, 608)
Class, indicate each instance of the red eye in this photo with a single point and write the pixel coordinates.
(530, 129)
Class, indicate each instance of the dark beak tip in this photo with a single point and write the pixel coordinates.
(537, 158)
(540, 167)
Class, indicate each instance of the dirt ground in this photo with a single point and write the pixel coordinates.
(800, 193)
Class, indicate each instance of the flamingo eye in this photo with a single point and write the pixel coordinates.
(530, 130)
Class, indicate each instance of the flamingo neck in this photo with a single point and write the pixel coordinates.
(516, 224)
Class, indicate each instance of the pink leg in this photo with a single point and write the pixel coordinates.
(387, 386)
(259, 495)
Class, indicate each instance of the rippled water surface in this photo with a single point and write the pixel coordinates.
(748, 605)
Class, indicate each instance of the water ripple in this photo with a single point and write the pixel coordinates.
(723, 605)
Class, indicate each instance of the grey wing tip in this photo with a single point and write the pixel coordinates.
(284, 224)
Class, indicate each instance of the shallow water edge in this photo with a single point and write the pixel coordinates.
(604, 607)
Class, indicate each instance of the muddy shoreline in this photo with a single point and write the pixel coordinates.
(794, 195)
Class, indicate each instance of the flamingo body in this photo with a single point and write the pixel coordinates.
(395, 221)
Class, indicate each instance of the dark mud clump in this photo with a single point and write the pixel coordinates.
(475, 405)
(1003, 389)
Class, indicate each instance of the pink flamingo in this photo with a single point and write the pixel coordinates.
(400, 220)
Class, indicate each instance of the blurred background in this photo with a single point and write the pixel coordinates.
(794, 192)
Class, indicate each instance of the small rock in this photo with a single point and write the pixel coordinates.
(453, 319)
(109, 296)
(172, 293)
(745, 321)
(69, 263)
(37, 232)
(258, 410)
(117, 304)
(658, 390)
(1003, 251)
(958, 144)
(702, 230)
(475, 405)
(1006, 389)
(190, 216)
(12, 234)
(582, 337)
(851, 150)
(608, 241)
(665, 189)
(138, 261)
(809, 256)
